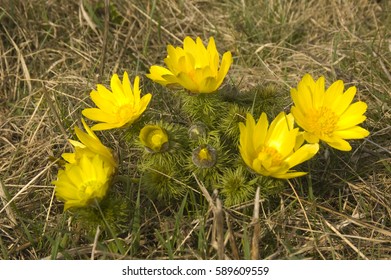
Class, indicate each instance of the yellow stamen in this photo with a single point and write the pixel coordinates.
(89, 187)
(124, 112)
(269, 157)
(322, 122)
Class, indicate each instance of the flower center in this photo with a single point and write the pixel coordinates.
(269, 157)
(90, 187)
(124, 113)
(322, 122)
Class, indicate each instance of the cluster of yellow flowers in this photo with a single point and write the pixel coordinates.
(267, 149)
(89, 170)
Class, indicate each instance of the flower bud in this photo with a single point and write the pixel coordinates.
(204, 156)
(154, 138)
(197, 131)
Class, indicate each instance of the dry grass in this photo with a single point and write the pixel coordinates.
(52, 56)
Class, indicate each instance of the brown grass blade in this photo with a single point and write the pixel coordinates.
(256, 225)
(350, 244)
(9, 212)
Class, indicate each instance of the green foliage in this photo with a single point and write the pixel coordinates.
(206, 108)
(115, 211)
(164, 182)
(235, 187)
(229, 125)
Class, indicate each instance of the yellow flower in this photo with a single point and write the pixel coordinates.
(328, 115)
(193, 67)
(273, 151)
(204, 156)
(154, 138)
(90, 145)
(80, 184)
(118, 108)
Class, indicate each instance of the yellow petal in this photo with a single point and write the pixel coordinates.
(308, 80)
(310, 138)
(246, 145)
(69, 157)
(156, 74)
(340, 144)
(260, 131)
(142, 106)
(279, 134)
(208, 85)
(289, 175)
(297, 101)
(354, 132)
(352, 116)
(189, 45)
(200, 49)
(273, 132)
(299, 140)
(334, 92)
(76, 143)
(105, 103)
(199, 77)
(213, 54)
(304, 94)
(105, 126)
(65, 190)
(98, 115)
(300, 119)
(341, 104)
(318, 93)
(224, 67)
(130, 96)
(185, 81)
(306, 152)
(135, 95)
(118, 90)
(90, 143)
(75, 174)
(89, 130)
(172, 58)
(106, 94)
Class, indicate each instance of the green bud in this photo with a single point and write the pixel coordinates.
(197, 131)
(204, 156)
(154, 138)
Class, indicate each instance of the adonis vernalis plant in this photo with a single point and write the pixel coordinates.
(328, 115)
(193, 67)
(210, 137)
(81, 183)
(119, 107)
(272, 150)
